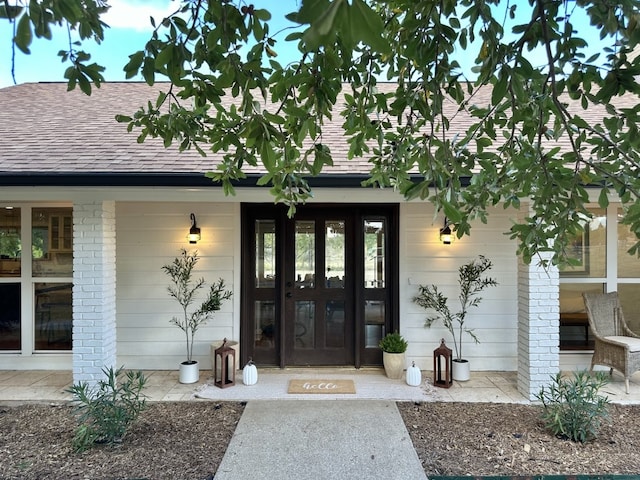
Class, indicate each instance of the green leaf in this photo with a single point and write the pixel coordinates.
(603, 198)
(369, 26)
(500, 89)
(24, 35)
(324, 24)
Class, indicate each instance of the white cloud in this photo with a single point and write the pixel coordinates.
(134, 14)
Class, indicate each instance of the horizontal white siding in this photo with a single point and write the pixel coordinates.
(425, 260)
(150, 235)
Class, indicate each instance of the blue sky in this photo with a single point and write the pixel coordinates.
(129, 31)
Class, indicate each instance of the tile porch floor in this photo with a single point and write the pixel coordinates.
(48, 386)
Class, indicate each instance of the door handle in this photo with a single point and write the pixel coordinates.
(289, 295)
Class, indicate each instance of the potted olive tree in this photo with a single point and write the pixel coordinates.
(184, 288)
(472, 282)
(393, 354)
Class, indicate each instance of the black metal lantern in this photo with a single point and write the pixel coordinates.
(441, 355)
(194, 231)
(225, 359)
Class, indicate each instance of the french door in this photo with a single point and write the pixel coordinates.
(320, 288)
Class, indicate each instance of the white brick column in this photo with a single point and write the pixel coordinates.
(94, 289)
(538, 326)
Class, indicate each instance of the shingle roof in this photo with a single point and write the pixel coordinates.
(49, 134)
(49, 131)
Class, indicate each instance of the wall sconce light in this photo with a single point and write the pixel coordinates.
(194, 231)
(446, 235)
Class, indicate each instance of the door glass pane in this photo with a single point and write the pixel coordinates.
(374, 316)
(588, 248)
(305, 254)
(10, 244)
(265, 324)
(305, 325)
(10, 316)
(53, 322)
(628, 265)
(265, 253)
(52, 242)
(334, 254)
(334, 324)
(374, 231)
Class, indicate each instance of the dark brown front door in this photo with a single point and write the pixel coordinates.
(318, 271)
(318, 289)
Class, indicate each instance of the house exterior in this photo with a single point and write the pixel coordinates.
(88, 217)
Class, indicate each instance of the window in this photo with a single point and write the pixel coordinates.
(602, 265)
(43, 278)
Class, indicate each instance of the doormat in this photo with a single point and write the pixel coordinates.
(321, 386)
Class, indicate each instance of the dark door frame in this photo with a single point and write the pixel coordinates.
(249, 294)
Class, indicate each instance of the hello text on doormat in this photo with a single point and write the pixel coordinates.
(322, 386)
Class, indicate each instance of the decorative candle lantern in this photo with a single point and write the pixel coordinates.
(441, 355)
(225, 357)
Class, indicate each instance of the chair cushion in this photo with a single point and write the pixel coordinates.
(632, 342)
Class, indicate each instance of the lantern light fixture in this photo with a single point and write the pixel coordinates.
(446, 234)
(194, 231)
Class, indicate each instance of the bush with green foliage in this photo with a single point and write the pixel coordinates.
(393, 343)
(106, 410)
(573, 408)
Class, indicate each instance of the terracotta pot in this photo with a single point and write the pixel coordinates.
(393, 364)
(461, 370)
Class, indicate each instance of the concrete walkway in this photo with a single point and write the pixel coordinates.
(312, 439)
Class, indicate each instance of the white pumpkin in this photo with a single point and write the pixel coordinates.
(250, 373)
(414, 375)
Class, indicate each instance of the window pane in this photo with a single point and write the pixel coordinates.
(629, 294)
(334, 321)
(374, 316)
(574, 326)
(305, 254)
(374, 231)
(265, 253)
(334, 254)
(305, 325)
(265, 324)
(589, 248)
(53, 322)
(10, 243)
(628, 265)
(52, 242)
(10, 316)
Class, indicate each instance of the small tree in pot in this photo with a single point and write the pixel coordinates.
(184, 288)
(472, 282)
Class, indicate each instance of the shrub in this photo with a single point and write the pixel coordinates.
(393, 343)
(572, 407)
(106, 410)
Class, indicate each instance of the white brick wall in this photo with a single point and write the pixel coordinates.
(94, 290)
(538, 329)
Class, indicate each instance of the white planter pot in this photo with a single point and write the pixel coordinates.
(393, 364)
(461, 370)
(189, 372)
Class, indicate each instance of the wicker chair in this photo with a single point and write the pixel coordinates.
(616, 346)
